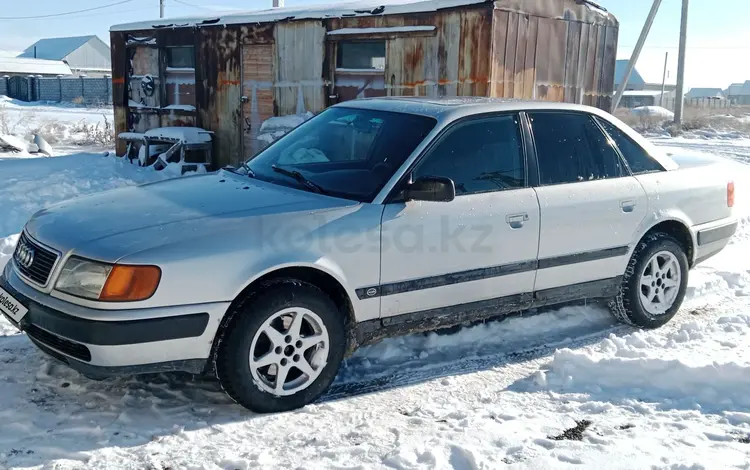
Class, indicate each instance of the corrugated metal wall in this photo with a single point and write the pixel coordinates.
(300, 53)
(556, 58)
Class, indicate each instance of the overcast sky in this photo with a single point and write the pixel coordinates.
(719, 39)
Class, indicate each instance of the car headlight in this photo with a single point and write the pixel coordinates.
(108, 282)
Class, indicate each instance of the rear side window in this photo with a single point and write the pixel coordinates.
(479, 156)
(571, 148)
(638, 160)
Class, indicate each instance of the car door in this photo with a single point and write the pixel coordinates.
(591, 206)
(477, 251)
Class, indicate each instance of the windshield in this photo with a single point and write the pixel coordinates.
(344, 152)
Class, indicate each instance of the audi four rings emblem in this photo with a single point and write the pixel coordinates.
(25, 255)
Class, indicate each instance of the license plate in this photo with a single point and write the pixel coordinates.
(12, 307)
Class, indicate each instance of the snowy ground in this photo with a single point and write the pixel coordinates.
(562, 389)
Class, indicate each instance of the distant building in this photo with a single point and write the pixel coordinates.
(17, 66)
(704, 93)
(738, 93)
(638, 81)
(637, 98)
(85, 55)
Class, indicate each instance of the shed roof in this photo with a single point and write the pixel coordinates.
(56, 48)
(584, 8)
(25, 66)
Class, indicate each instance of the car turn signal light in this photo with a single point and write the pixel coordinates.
(730, 194)
(130, 283)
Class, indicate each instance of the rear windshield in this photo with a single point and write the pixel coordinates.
(347, 152)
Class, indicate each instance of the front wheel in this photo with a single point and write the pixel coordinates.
(284, 348)
(654, 284)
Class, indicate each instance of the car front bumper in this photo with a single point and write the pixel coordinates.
(162, 339)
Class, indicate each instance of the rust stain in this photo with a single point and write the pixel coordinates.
(118, 80)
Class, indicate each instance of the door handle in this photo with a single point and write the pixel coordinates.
(517, 220)
(627, 205)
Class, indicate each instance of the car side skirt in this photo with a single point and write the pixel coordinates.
(372, 331)
(411, 285)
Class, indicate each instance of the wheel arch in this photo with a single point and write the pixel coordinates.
(313, 275)
(680, 231)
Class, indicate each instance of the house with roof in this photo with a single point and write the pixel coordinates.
(705, 94)
(642, 91)
(639, 80)
(738, 93)
(85, 55)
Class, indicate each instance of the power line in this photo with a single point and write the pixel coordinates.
(191, 5)
(53, 15)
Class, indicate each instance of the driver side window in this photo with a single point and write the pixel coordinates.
(479, 156)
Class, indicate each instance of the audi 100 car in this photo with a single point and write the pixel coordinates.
(377, 217)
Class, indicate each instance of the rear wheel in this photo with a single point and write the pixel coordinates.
(284, 348)
(654, 284)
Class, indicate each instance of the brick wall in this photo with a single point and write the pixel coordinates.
(83, 89)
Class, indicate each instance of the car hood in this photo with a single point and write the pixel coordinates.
(200, 200)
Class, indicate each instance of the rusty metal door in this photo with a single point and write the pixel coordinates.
(257, 93)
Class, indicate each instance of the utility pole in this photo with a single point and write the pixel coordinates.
(664, 80)
(161, 8)
(636, 52)
(680, 93)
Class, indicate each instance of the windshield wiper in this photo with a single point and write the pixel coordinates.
(300, 178)
(247, 168)
(244, 166)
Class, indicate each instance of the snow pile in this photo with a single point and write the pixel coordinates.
(656, 112)
(647, 367)
(7, 245)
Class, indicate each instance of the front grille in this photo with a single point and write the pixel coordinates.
(34, 261)
(62, 345)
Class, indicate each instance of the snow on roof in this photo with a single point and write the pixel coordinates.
(22, 66)
(56, 48)
(357, 8)
(9, 53)
(188, 135)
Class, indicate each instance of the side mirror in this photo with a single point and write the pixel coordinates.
(431, 188)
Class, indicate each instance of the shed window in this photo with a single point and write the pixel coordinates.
(182, 57)
(361, 55)
(180, 77)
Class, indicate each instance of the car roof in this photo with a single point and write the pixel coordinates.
(454, 107)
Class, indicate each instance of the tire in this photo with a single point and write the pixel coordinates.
(631, 305)
(276, 307)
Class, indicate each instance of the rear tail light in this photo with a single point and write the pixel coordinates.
(730, 194)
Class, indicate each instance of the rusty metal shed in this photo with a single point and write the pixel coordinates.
(228, 74)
